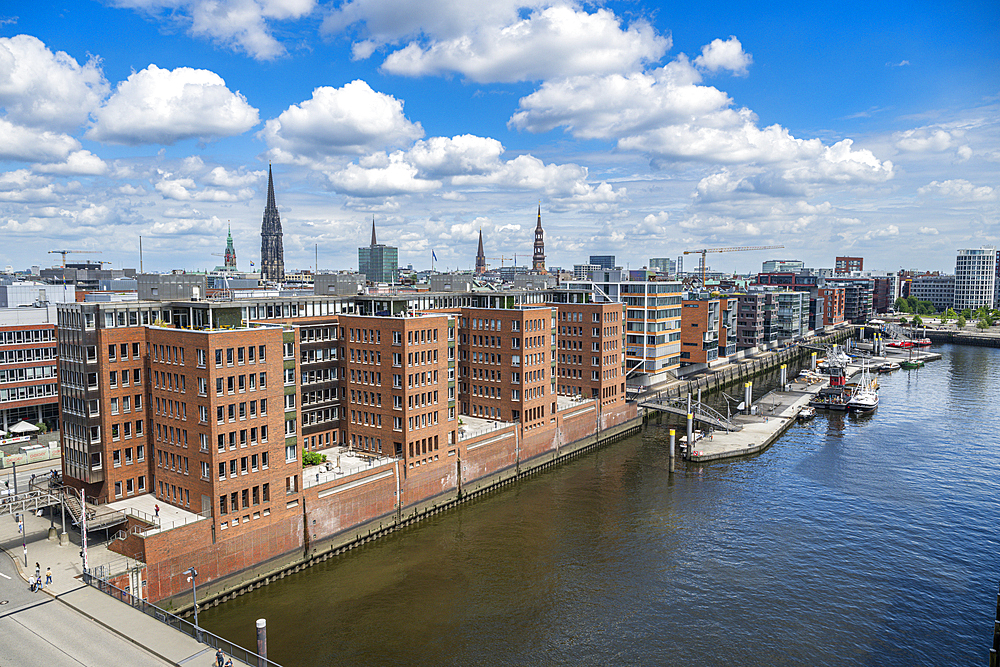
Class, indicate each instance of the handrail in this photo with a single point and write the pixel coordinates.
(199, 634)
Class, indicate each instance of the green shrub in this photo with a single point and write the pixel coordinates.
(312, 458)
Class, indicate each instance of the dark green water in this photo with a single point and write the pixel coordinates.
(852, 541)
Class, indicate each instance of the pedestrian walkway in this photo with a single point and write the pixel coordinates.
(34, 629)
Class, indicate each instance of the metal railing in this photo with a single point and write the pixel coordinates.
(199, 634)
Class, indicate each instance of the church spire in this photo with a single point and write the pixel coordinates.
(272, 254)
(538, 257)
(374, 242)
(480, 256)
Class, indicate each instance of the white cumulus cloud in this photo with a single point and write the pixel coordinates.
(927, 140)
(45, 89)
(242, 25)
(553, 42)
(728, 55)
(161, 106)
(959, 188)
(25, 144)
(350, 120)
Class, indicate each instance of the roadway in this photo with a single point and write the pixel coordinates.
(38, 629)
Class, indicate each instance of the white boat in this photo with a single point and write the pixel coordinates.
(807, 413)
(865, 396)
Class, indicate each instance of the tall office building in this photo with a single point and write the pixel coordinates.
(538, 258)
(606, 262)
(663, 265)
(976, 278)
(272, 254)
(379, 262)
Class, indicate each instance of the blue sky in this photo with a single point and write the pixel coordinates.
(643, 128)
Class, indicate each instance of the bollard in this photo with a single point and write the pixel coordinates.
(672, 445)
(784, 377)
(262, 640)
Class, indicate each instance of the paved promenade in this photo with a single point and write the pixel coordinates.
(70, 623)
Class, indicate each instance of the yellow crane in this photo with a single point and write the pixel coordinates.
(503, 259)
(75, 252)
(705, 251)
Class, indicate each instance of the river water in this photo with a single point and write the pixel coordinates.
(854, 540)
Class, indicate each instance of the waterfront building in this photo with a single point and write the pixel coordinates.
(606, 262)
(938, 289)
(709, 329)
(538, 256)
(791, 318)
(977, 278)
(590, 350)
(379, 262)
(272, 253)
(858, 297)
(834, 305)
(845, 266)
(782, 266)
(29, 384)
(752, 311)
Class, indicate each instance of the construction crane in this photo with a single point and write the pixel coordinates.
(75, 252)
(705, 251)
(504, 259)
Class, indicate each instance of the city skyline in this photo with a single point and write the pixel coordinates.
(634, 126)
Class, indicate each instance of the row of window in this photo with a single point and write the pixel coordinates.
(113, 377)
(27, 336)
(169, 381)
(132, 486)
(113, 351)
(31, 354)
(240, 466)
(33, 391)
(238, 355)
(236, 383)
(244, 409)
(117, 458)
(245, 499)
(26, 374)
(242, 438)
(124, 430)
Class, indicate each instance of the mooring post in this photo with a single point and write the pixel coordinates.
(672, 445)
(784, 377)
(262, 641)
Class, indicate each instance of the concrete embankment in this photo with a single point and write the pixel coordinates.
(956, 337)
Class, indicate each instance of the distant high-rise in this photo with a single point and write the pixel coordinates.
(844, 266)
(606, 262)
(663, 265)
(379, 262)
(230, 262)
(781, 265)
(977, 278)
(538, 258)
(480, 256)
(272, 254)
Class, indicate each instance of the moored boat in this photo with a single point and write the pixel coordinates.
(807, 413)
(887, 367)
(865, 396)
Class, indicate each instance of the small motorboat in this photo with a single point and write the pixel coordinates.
(807, 413)
(887, 367)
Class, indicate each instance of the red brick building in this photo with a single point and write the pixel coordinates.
(29, 385)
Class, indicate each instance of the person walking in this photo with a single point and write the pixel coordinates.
(31, 583)
(38, 571)
(219, 658)
(156, 509)
(48, 576)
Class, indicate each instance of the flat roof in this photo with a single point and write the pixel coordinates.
(341, 462)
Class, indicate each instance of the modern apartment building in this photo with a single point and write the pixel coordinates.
(834, 305)
(845, 266)
(29, 378)
(752, 311)
(938, 289)
(708, 328)
(858, 297)
(604, 262)
(782, 266)
(977, 278)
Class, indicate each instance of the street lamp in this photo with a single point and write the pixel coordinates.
(192, 576)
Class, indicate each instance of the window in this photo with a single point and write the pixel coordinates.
(218, 358)
(290, 453)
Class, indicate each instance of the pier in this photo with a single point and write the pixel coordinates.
(774, 413)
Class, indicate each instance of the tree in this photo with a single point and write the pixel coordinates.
(901, 305)
(960, 321)
(966, 313)
(312, 458)
(983, 323)
(902, 320)
(917, 322)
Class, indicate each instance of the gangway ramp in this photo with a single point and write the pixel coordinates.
(700, 412)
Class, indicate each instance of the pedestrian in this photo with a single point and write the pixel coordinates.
(31, 583)
(229, 662)
(38, 571)
(48, 576)
(219, 658)
(156, 508)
